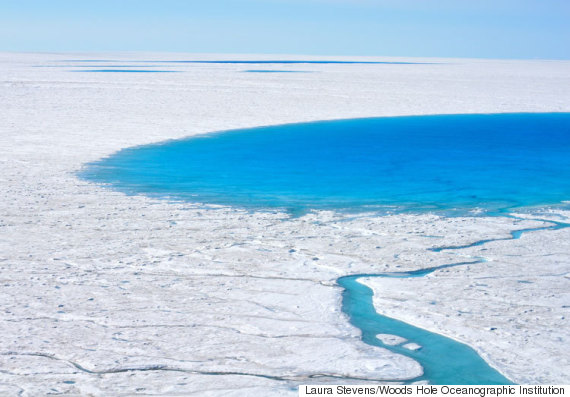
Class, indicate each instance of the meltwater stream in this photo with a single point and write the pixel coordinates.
(455, 164)
(444, 360)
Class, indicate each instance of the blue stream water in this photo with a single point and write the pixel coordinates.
(449, 163)
(444, 360)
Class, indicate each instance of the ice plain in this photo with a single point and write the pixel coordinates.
(106, 292)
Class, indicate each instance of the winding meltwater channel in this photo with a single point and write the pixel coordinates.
(448, 164)
(444, 360)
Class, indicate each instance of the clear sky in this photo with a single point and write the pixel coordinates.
(439, 28)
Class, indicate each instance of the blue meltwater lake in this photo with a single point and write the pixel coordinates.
(455, 163)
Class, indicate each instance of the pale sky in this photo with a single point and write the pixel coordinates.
(438, 28)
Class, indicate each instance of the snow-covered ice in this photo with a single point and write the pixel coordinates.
(106, 292)
(412, 346)
(391, 340)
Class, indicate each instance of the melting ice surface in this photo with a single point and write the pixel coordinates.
(275, 71)
(448, 163)
(261, 62)
(124, 71)
(445, 163)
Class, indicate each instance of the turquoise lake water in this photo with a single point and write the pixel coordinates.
(420, 163)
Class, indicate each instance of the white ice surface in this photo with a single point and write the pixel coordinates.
(390, 340)
(412, 346)
(132, 295)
